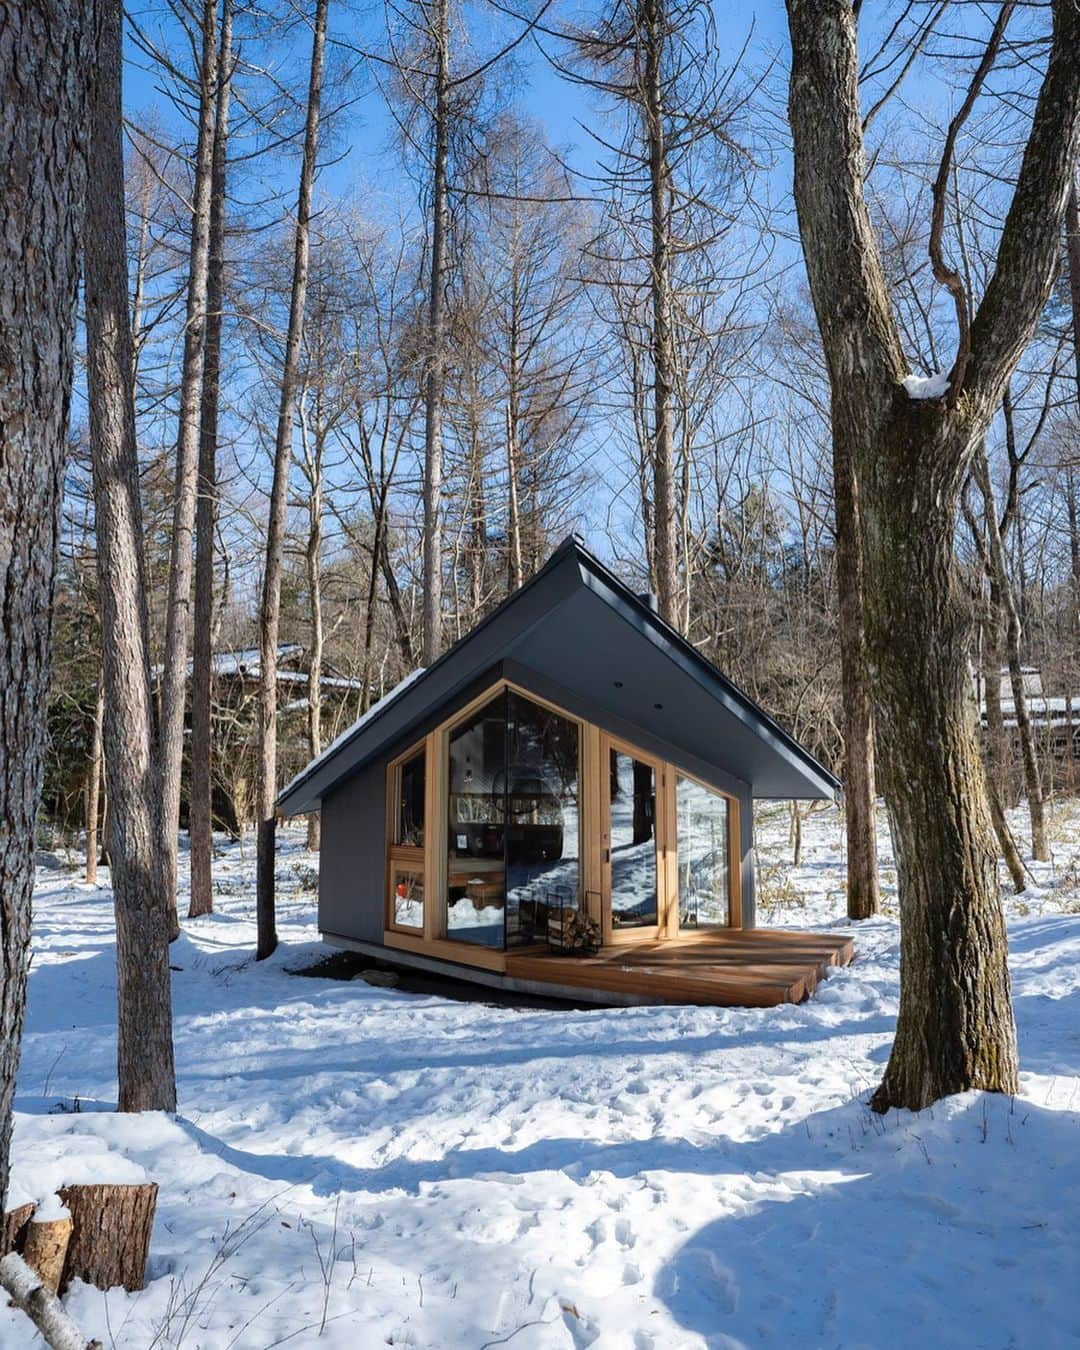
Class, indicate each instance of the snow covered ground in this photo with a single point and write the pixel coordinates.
(357, 1167)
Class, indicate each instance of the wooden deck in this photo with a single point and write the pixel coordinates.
(751, 968)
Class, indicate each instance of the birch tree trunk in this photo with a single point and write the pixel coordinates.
(270, 608)
(911, 454)
(174, 677)
(201, 785)
(435, 377)
(140, 882)
(45, 52)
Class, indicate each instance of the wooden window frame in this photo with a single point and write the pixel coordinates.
(734, 848)
(404, 855)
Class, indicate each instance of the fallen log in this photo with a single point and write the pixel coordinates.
(44, 1309)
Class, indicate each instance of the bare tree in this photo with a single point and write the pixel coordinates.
(175, 671)
(911, 445)
(270, 607)
(45, 52)
(668, 181)
(140, 882)
(200, 789)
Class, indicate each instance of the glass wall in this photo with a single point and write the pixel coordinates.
(476, 827)
(407, 897)
(513, 822)
(632, 794)
(704, 874)
(542, 817)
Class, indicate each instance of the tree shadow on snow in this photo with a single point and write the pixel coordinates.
(950, 1228)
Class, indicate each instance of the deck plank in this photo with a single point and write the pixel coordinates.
(757, 968)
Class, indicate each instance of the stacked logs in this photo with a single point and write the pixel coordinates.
(99, 1234)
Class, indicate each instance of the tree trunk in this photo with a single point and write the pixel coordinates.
(863, 895)
(110, 1236)
(175, 672)
(665, 548)
(955, 1029)
(141, 889)
(995, 748)
(1003, 593)
(46, 1247)
(45, 55)
(270, 609)
(93, 786)
(314, 577)
(201, 785)
(436, 356)
(911, 449)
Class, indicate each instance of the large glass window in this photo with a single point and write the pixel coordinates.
(407, 894)
(632, 795)
(409, 828)
(542, 818)
(476, 843)
(513, 822)
(704, 872)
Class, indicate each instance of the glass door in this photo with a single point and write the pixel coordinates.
(631, 883)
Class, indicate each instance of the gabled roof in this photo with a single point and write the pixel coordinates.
(577, 627)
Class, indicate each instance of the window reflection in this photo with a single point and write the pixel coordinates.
(513, 822)
(703, 855)
(632, 794)
(476, 864)
(410, 809)
(542, 818)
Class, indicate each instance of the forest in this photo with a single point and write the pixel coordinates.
(323, 327)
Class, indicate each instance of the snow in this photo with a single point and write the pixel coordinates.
(361, 1166)
(927, 386)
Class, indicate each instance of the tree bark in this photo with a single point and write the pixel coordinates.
(435, 376)
(270, 609)
(201, 785)
(93, 785)
(45, 54)
(313, 558)
(1002, 595)
(140, 882)
(911, 454)
(110, 1236)
(863, 894)
(175, 672)
(994, 750)
(41, 1305)
(665, 547)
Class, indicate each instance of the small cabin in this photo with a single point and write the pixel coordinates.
(562, 804)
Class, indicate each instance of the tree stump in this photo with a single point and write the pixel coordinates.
(46, 1247)
(13, 1225)
(110, 1237)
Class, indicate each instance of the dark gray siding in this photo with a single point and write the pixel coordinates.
(352, 858)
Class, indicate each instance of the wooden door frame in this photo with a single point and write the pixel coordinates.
(665, 854)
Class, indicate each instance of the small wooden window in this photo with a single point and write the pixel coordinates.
(406, 857)
(410, 802)
(407, 895)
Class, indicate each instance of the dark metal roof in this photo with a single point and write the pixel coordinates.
(575, 624)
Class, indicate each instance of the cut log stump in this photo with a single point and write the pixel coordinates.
(110, 1238)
